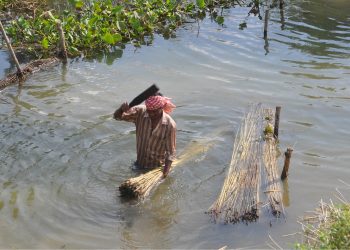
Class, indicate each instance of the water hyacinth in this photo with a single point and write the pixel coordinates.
(101, 25)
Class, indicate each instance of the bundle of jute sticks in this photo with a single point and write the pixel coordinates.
(141, 186)
(254, 147)
(270, 179)
(29, 69)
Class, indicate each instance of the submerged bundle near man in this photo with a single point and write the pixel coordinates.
(155, 132)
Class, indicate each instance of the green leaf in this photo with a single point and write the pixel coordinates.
(45, 43)
(117, 9)
(220, 20)
(97, 8)
(189, 7)
(200, 4)
(117, 37)
(108, 38)
(135, 23)
(79, 4)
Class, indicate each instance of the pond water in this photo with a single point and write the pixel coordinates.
(62, 156)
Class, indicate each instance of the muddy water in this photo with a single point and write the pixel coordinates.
(62, 156)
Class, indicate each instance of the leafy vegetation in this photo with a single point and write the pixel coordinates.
(100, 25)
(333, 230)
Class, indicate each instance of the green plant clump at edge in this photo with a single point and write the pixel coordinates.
(336, 234)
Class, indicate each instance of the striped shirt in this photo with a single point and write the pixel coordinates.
(153, 147)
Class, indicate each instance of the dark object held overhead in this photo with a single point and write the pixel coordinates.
(153, 90)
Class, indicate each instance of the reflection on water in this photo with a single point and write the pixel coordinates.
(311, 76)
(285, 193)
(157, 214)
(62, 156)
(319, 34)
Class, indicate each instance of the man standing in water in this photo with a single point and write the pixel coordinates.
(155, 132)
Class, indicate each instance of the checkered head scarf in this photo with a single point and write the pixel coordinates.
(157, 102)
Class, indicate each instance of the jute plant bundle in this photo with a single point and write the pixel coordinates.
(30, 68)
(238, 200)
(254, 155)
(271, 181)
(141, 186)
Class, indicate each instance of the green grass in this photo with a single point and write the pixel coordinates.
(333, 232)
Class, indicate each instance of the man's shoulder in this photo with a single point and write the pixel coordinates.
(170, 120)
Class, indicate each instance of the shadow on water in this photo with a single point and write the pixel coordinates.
(106, 57)
(285, 194)
(146, 222)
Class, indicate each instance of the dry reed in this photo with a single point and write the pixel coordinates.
(317, 225)
(319, 220)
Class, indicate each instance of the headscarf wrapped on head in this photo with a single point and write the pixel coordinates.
(160, 102)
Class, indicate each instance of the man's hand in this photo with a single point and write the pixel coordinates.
(123, 108)
(166, 171)
(166, 168)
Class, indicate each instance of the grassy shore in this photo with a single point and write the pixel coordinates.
(328, 227)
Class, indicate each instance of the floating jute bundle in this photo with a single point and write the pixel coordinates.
(30, 68)
(270, 178)
(21, 75)
(239, 197)
(141, 186)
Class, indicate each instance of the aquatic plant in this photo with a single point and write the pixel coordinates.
(103, 24)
